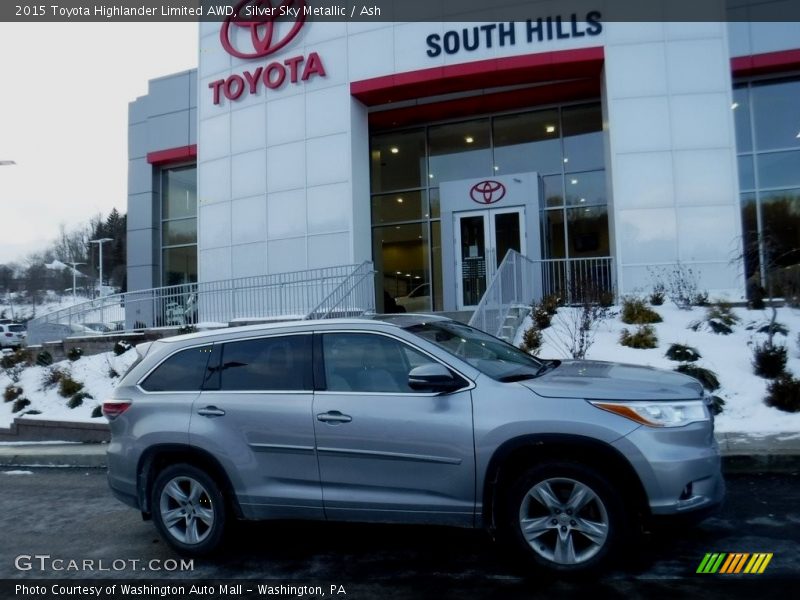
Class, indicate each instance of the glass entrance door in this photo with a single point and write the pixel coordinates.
(483, 238)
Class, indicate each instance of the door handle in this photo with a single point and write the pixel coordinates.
(211, 411)
(334, 416)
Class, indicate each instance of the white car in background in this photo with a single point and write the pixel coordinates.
(418, 299)
(12, 335)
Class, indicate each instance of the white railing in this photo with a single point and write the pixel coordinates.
(519, 281)
(282, 296)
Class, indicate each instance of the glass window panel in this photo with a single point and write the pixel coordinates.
(275, 363)
(181, 372)
(750, 238)
(400, 253)
(433, 197)
(473, 259)
(182, 231)
(179, 189)
(400, 206)
(507, 234)
(746, 173)
(366, 363)
(180, 265)
(459, 151)
(527, 142)
(553, 190)
(553, 234)
(397, 160)
(586, 189)
(741, 117)
(780, 219)
(587, 231)
(583, 137)
(776, 114)
(778, 169)
(436, 256)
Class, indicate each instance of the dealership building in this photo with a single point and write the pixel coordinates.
(431, 149)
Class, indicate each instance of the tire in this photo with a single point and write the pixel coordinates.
(189, 510)
(563, 518)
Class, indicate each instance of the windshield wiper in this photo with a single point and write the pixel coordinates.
(547, 366)
(517, 377)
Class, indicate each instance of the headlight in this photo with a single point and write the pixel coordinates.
(658, 414)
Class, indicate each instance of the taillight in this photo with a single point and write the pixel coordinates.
(114, 408)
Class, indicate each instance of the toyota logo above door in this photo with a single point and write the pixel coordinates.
(487, 192)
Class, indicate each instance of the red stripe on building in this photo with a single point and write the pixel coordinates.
(173, 155)
(762, 64)
(491, 73)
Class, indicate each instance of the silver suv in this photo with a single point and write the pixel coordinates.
(406, 419)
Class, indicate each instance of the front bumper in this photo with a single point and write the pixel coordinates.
(680, 468)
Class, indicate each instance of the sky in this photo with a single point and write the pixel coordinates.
(64, 94)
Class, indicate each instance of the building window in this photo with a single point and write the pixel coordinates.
(179, 225)
(767, 122)
(563, 144)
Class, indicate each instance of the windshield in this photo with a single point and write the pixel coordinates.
(488, 354)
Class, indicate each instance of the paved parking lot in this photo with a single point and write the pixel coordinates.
(68, 514)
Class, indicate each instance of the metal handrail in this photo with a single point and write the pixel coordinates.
(353, 296)
(520, 280)
(280, 296)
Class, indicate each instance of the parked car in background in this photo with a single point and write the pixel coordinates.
(12, 335)
(410, 419)
(417, 300)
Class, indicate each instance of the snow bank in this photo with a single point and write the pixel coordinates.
(729, 356)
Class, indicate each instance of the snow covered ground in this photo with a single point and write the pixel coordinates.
(25, 311)
(729, 356)
(92, 371)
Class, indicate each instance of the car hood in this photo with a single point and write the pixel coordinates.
(597, 380)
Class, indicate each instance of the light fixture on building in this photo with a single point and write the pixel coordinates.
(398, 272)
(394, 149)
(496, 168)
(566, 160)
(573, 181)
(399, 200)
(583, 199)
(734, 106)
(430, 175)
(798, 135)
(417, 277)
(469, 139)
(550, 128)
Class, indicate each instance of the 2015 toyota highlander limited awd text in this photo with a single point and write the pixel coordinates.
(406, 419)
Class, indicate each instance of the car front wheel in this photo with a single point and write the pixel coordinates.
(564, 517)
(188, 509)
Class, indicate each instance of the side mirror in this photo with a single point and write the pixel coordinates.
(433, 377)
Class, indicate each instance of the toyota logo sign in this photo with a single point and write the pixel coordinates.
(487, 192)
(261, 18)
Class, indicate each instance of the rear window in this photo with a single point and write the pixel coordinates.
(181, 372)
(19, 328)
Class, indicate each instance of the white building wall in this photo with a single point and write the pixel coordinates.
(284, 175)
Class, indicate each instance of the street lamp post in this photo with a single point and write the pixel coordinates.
(100, 243)
(74, 273)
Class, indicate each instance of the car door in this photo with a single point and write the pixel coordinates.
(254, 416)
(387, 453)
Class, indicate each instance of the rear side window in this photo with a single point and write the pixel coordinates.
(281, 363)
(181, 372)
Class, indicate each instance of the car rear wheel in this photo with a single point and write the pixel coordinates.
(188, 509)
(564, 517)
